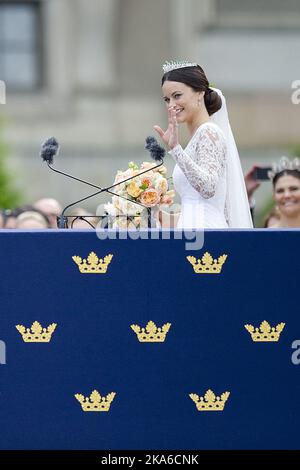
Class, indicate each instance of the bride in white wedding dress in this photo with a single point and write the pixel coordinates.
(207, 174)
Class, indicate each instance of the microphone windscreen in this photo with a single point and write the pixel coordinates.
(49, 150)
(157, 152)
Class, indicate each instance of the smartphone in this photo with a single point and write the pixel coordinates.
(261, 174)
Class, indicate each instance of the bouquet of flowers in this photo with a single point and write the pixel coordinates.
(129, 208)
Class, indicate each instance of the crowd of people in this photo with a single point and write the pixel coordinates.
(285, 179)
(43, 214)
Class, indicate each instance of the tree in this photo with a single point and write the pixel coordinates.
(9, 196)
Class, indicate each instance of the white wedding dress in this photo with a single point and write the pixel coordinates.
(199, 177)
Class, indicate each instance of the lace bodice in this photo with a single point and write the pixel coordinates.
(203, 161)
(200, 176)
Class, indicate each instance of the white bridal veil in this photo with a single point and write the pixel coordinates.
(237, 203)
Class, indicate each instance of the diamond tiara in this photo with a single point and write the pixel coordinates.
(284, 164)
(172, 65)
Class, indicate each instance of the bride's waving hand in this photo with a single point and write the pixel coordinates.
(170, 136)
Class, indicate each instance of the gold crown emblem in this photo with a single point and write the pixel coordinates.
(93, 264)
(210, 402)
(151, 334)
(95, 402)
(36, 334)
(207, 264)
(265, 332)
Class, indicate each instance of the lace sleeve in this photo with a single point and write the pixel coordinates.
(204, 162)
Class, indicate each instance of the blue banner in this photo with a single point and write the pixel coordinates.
(143, 344)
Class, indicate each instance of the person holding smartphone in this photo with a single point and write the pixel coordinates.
(285, 177)
(253, 179)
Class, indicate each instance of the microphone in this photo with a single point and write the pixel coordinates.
(50, 149)
(156, 151)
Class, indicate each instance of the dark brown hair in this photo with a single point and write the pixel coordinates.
(294, 173)
(195, 78)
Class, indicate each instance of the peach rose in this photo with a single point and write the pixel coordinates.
(134, 190)
(150, 197)
(147, 181)
(161, 185)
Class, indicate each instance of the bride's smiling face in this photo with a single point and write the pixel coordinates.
(183, 98)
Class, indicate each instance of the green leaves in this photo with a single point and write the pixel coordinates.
(133, 165)
(9, 196)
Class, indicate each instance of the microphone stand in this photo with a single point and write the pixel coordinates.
(62, 219)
